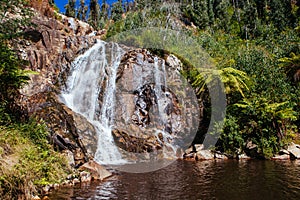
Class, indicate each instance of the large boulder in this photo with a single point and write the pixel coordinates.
(134, 144)
(96, 170)
(281, 157)
(294, 150)
(70, 131)
(205, 155)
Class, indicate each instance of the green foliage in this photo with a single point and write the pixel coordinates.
(281, 14)
(198, 13)
(14, 14)
(231, 140)
(30, 161)
(117, 11)
(94, 14)
(82, 11)
(271, 114)
(70, 8)
(292, 66)
(12, 78)
(266, 123)
(234, 80)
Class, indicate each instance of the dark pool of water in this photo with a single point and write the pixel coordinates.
(231, 179)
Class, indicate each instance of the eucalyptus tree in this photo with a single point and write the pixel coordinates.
(117, 11)
(94, 14)
(197, 12)
(82, 11)
(70, 8)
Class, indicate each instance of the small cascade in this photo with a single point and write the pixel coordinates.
(91, 71)
(164, 100)
(160, 82)
(107, 150)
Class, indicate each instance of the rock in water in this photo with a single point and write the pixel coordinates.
(281, 157)
(294, 150)
(205, 155)
(97, 171)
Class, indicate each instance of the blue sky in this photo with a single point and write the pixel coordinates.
(62, 3)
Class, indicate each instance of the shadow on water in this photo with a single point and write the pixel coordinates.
(252, 179)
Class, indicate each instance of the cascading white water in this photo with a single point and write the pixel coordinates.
(82, 93)
(160, 80)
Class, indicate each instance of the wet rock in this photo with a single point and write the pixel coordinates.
(252, 150)
(174, 62)
(85, 177)
(55, 186)
(179, 153)
(87, 133)
(97, 171)
(35, 197)
(284, 151)
(75, 181)
(294, 150)
(144, 100)
(79, 157)
(67, 183)
(199, 147)
(46, 189)
(281, 157)
(135, 144)
(189, 150)
(243, 157)
(221, 156)
(205, 155)
(190, 156)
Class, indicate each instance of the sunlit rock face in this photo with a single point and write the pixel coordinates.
(154, 105)
(50, 46)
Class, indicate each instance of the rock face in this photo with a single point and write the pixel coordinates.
(50, 46)
(69, 130)
(42, 7)
(153, 105)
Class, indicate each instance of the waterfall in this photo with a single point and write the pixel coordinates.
(159, 78)
(92, 90)
(96, 69)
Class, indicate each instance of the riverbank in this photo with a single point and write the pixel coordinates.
(197, 152)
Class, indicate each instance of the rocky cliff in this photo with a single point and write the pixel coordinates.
(49, 46)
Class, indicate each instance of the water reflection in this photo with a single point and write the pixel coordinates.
(199, 180)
